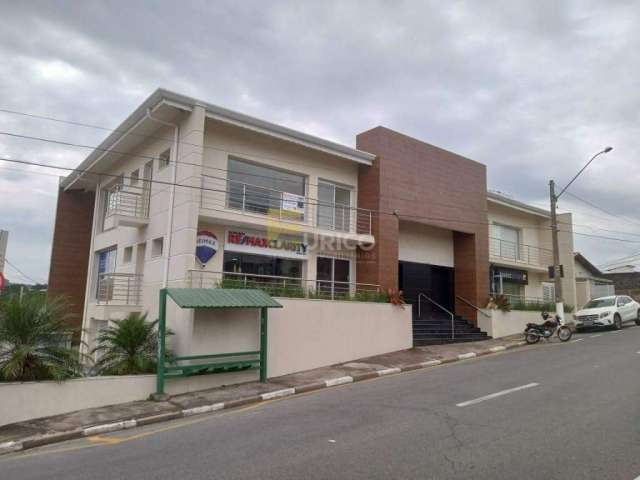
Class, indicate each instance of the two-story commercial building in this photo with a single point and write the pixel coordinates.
(186, 193)
(520, 252)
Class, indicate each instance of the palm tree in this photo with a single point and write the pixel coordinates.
(34, 332)
(128, 347)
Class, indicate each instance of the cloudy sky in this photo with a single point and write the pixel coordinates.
(531, 89)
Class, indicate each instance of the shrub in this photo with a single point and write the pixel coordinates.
(34, 338)
(129, 347)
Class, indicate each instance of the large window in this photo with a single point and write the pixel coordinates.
(106, 265)
(253, 265)
(261, 189)
(332, 276)
(334, 207)
(505, 242)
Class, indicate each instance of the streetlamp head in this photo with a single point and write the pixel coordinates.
(607, 149)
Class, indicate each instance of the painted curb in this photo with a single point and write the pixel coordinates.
(333, 382)
(278, 393)
(203, 409)
(47, 439)
(161, 417)
(8, 447)
(51, 438)
(309, 387)
(359, 377)
(464, 356)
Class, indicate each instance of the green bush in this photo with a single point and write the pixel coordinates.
(539, 306)
(35, 339)
(297, 291)
(129, 347)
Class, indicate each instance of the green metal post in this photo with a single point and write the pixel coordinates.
(162, 327)
(263, 345)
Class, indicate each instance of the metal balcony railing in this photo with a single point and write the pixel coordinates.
(283, 286)
(127, 201)
(119, 289)
(221, 194)
(519, 253)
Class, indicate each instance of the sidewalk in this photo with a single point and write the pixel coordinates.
(42, 431)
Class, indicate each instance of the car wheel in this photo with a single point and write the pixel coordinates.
(638, 318)
(617, 322)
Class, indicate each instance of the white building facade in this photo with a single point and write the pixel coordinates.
(520, 252)
(278, 207)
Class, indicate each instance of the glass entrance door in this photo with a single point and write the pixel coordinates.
(332, 277)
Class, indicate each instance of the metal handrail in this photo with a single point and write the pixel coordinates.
(119, 289)
(420, 295)
(473, 306)
(208, 278)
(354, 219)
(519, 252)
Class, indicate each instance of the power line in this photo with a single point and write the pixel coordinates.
(211, 147)
(602, 209)
(129, 154)
(380, 212)
(150, 157)
(20, 271)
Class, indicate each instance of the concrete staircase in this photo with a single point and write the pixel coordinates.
(435, 329)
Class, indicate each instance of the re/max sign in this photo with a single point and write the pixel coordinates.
(241, 238)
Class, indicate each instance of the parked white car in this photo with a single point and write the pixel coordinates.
(611, 311)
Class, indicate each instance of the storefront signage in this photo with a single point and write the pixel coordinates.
(512, 275)
(206, 246)
(259, 243)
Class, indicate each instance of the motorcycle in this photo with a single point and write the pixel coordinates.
(535, 331)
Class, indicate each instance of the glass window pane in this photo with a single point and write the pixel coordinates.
(326, 194)
(343, 211)
(260, 189)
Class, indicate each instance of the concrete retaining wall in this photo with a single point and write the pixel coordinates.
(501, 324)
(305, 334)
(29, 400)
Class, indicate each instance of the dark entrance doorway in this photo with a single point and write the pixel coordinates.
(434, 281)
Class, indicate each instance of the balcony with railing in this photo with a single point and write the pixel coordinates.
(221, 195)
(126, 205)
(511, 253)
(119, 289)
(292, 287)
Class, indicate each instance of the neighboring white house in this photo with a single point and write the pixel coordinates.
(590, 281)
(520, 251)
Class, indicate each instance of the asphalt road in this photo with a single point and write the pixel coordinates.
(556, 411)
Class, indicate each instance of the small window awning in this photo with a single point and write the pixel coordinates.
(221, 298)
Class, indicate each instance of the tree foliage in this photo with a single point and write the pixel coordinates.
(128, 347)
(35, 340)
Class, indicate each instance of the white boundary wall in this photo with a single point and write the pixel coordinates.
(308, 334)
(502, 324)
(305, 334)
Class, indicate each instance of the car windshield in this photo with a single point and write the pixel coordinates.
(601, 302)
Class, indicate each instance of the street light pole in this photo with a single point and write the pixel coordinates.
(557, 279)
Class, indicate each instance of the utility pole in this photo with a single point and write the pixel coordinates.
(557, 279)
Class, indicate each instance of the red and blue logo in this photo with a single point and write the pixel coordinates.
(206, 246)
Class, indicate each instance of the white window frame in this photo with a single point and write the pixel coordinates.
(350, 206)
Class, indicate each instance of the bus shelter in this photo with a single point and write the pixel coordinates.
(212, 298)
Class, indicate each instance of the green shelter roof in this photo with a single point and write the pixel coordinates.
(221, 298)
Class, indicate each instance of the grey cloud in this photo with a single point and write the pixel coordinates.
(532, 89)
